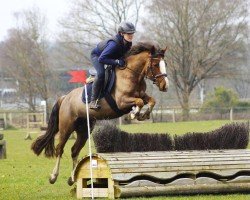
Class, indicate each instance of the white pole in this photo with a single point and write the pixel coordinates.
(45, 114)
(231, 114)
(90, 153)
(43, 104)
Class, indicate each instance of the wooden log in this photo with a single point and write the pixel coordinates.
(166, 173)
(175, 155)
(142, 183)
(123, 192)
(209, 156)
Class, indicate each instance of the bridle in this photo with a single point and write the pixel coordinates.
(154, 76)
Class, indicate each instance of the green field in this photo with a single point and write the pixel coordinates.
(25, 176)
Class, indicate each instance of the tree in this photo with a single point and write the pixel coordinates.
(222, 100)
(25, 56)
(201, 36)
(241, 82)
(89, 22)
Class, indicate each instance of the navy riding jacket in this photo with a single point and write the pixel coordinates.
(111, 50)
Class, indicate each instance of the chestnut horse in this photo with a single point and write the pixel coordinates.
(69, 112)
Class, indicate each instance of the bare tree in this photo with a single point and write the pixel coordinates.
(25, 56)
(89, 21)
(241, 82)
(17, 51)
(201, 36)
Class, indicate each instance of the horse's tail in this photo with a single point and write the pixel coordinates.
(46, 141)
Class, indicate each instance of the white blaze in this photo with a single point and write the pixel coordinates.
(163, 67)
(163, 70)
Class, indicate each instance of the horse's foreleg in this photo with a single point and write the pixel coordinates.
(150, 101)
(137, 109)
(130, 101)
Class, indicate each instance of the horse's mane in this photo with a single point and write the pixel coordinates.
(141, 47)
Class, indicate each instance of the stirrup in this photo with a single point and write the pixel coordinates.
(94, 105)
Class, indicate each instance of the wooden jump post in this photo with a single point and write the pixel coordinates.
(2, 147)
(34, 121)
(118, 175)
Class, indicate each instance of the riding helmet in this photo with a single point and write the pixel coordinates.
(126, 27)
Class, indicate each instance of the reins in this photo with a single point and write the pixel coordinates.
(126, 67)
(149, 67)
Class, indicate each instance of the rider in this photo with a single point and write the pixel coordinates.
(110, 52)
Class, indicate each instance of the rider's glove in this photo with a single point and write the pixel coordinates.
(120, 62)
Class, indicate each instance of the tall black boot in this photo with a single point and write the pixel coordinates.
(96, 91)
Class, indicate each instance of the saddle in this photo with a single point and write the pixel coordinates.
(106, 90)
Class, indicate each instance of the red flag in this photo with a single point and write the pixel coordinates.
(78, 76)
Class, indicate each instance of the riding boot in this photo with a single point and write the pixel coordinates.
(96, 91)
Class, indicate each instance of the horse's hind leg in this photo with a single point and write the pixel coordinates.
(76, 148)
(82, 136)
(65, 130)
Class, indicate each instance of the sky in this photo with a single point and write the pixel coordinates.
(53, 9)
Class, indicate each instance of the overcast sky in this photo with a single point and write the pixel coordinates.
(53, 9)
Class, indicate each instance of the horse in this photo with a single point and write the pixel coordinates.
(144, 60)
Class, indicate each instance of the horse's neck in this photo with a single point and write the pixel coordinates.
(131, 79)
(138, 62)
(135, 68)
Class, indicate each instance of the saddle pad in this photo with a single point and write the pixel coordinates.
(109, 85)
(106, 94)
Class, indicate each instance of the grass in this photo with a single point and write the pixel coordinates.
(175, 128)
(25, 176)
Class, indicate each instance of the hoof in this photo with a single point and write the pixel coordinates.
(147, 116)
(140, 119)
(135, 112)
(70, 181)
(52, 179)
(132, 116)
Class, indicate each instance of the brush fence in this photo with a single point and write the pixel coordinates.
(119, 175)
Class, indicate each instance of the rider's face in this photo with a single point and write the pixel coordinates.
(128, 36)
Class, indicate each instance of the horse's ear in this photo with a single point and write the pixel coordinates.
(153, 50)
(164, 50)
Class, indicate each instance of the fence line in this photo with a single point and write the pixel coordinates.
(21, 119)
(174, 114)
(168, 114)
